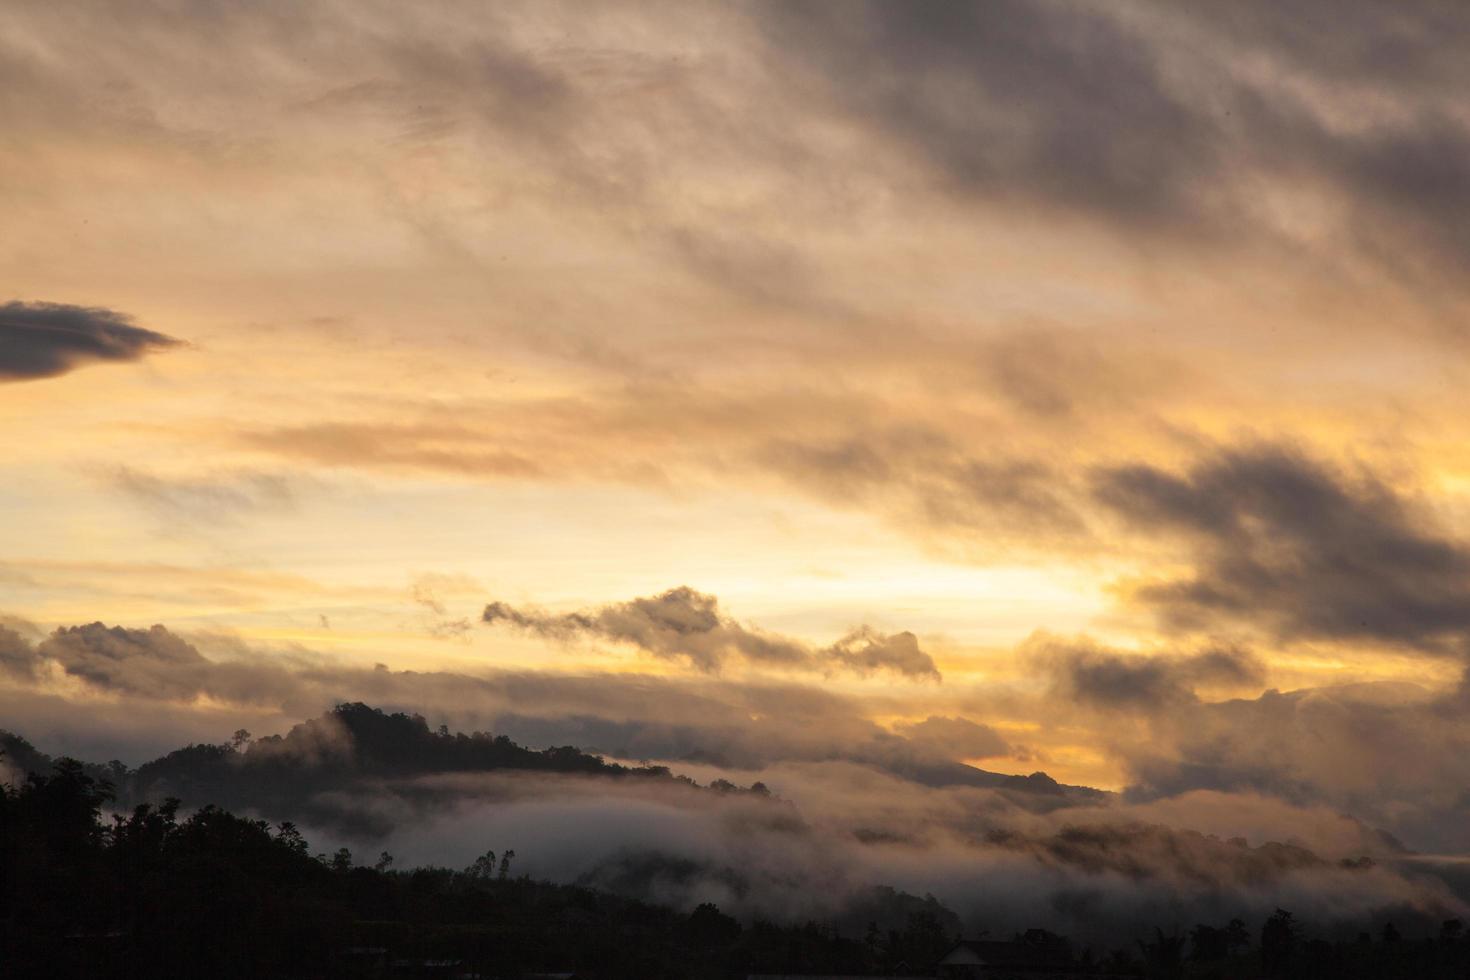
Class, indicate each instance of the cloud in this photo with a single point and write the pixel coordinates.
(42, 340)
(683, 624)
(840, 447)
(1165, 120)
(866, 651)
(929, 479)
(426, 591)
(960, 737)
(206, 500)
(158, 664)
(1094, 675)
(1060, 101)
(1147, 118)
(1099, 877)
(1393, 756)
(17, 657)
(449, 447)
(1289, 545)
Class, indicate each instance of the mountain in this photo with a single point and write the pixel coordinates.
(302, 775)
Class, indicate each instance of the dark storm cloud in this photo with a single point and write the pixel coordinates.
(683, 624)
(42, 340)
(1061, 101)
(1166, 117)
(1286, 543)
(1407, 45)
(1105, 678)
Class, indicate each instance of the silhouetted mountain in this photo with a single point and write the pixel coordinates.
(960, 774)
(295, 776)
(300, 775)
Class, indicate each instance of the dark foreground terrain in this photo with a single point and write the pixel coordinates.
(153, 892)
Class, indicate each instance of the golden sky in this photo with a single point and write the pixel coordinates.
(1056, 373)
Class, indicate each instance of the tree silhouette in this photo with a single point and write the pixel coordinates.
(1278, 942)
(483, 867)
(1237, 936)
(708, 927)
(1208, 944)
(1164, 955)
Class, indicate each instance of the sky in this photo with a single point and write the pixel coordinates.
(1065, 387)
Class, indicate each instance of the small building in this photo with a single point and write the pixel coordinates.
(988, 959)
